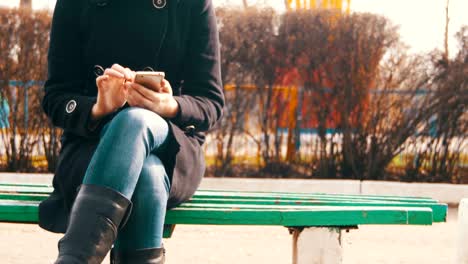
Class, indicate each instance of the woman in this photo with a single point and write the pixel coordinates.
(128, 152)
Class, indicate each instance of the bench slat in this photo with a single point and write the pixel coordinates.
(23, 197)
(439, 210)
(227, 197)
(15, 211)
(328, 194)
(26, 184)
(220, 194)
(337, 216)
(302, 196)
(49, 187)
(25, 189)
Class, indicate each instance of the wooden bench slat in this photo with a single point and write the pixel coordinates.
(327, 194)
(220, 194)
(26, 184)
(245, 196)
(16, 211)
(240, 196)
(439, 210)
(48, 188)
(25, 189)
(19, 202)
(23, 197)
(337, 216)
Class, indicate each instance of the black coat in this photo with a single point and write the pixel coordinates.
(181, 39)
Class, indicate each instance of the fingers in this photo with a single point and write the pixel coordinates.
(126, 72)
(114, 73)
(134, 98)
(145, 92)
(129, 75)
(118, 68)
(118, 71)
(165, 87)
(101, 79)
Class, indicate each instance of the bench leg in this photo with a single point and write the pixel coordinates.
(317, 245)
(168, 230)
(462, 234)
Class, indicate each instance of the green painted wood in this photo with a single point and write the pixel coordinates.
(344, 195)
(26, 184)
(264, 195)
(439, 210)
(262, 208)
(335, 216)
(19, 211)
(26, 189)
(299, 200)
(241, 196)
(221, 194)
(40, 188)
(23, 197)
(47, 186)
(168, 230)
(39, 192)
(27, 212)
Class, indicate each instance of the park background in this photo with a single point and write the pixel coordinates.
(312, 93)
(314, 89)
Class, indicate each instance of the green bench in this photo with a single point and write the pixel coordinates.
(310, 217)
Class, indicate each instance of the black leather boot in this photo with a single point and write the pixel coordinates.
(142, 256)
(96, 215)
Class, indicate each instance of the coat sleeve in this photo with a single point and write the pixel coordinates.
(64, 100)
(201, 102)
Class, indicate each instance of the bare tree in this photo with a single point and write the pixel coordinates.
(241, 38)
(447, 21)
(445, 132)
(25, 43)
(304, 40)
(361, 41)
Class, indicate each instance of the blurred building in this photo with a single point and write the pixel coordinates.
(315, 4)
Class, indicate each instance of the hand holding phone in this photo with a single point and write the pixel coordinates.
(149, 79)
(151, 91)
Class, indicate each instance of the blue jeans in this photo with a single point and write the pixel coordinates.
(125, 161)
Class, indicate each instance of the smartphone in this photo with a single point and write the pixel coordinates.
(150, 79)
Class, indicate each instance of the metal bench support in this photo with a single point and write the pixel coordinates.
(317, 245)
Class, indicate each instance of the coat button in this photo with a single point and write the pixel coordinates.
(98, 70)
(101, 3)
(159, 4)
(71, 105)
(189, 130)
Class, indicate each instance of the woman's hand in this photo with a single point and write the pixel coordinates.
(161, 102)
(112, 92)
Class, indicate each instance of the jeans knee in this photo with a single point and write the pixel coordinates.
(138, 125)
(153, 180)
(136, 118)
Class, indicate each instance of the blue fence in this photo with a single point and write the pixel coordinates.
(4, 106)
